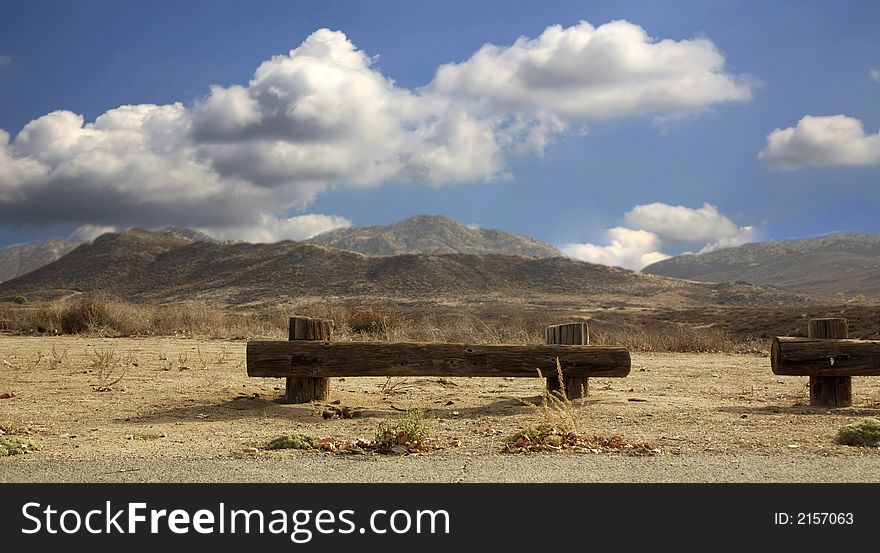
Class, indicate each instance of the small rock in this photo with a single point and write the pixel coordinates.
(249, 450)
(7, 395)
(335, 402)
(450, 402)
(455, 413)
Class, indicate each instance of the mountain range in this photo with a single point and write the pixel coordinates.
(160, 267)
(840, 266)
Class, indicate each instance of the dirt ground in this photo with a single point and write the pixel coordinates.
(190, 400)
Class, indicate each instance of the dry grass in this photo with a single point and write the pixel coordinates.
(91, 315)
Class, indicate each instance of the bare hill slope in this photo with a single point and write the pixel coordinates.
(24, 258)
(847, 264)
(432, 234)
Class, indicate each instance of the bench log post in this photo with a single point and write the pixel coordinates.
(576, 334)
(306, 389)
(830, 391)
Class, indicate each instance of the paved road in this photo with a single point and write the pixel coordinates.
(450, 468)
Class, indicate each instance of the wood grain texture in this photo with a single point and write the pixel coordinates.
(301, 389)
(576, 334)
(829, 391)
(825, 357)
(335, 359)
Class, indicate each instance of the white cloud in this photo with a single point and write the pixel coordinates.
(834, 140)
(587, 72)
(677, 223)
(322, 116)
(5, 60)
(659, 224)
(272, 229)
(628, 248)
(88, 233)
(875, 75)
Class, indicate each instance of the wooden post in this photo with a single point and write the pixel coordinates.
(577, 334)
(830, 391)
(306, 389)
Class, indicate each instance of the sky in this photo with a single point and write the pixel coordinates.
(621, 132)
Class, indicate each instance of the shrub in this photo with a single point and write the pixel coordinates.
(20, 300)
(865, 432)
(86, 314)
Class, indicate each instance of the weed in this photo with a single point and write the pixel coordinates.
(293, 441)
(59, 360)
(14, 446)
(108, 369)
(394, 385)
(409, 431)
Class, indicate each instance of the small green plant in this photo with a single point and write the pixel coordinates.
(20, 300)
(409, 431)
(293, 441)
(865, 432)
(10, 445)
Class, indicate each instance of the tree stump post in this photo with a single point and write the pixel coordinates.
(306, 389)
(830, 391)
(576, 334)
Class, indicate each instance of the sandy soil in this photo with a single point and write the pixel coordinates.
(189, 403)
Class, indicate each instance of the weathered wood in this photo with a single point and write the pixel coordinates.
(338, 359)
(829, 391)
(302, 389)
(828, 328)
(825, 357)
(576, 334)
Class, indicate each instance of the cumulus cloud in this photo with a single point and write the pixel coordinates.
(660, 224)
(628, 248)
(88, 233)
(322, 116)
(816, 141)
(587, 72)
(677, 223)
(272, 229)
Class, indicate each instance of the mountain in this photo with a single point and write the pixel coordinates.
(189, 234)
(432, 234)
(24, 258)
(148, 266)
(847, 264)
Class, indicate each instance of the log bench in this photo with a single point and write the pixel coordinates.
(310, 358)
(828, 358)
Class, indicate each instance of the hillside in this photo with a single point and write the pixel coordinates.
(147, 266)
(847, 264)
(432, 234)
(24, 258)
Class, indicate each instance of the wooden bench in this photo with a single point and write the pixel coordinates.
(310, 358)
(828, 358)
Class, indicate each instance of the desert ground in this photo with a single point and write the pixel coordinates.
(185, 410)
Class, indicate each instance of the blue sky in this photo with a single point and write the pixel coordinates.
(514, 157)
